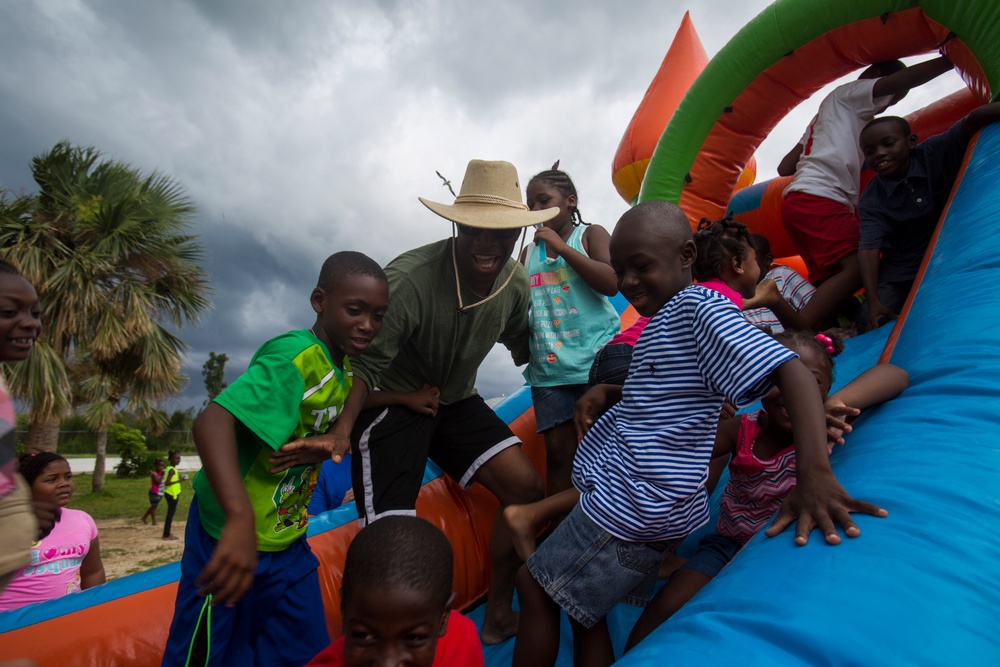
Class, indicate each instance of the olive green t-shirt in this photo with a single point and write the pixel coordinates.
(425, 339)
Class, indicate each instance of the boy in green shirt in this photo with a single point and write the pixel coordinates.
(245, 551)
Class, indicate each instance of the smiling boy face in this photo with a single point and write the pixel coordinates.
(886, 147)
(652, 251)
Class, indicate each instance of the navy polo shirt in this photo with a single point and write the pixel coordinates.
(898, 217)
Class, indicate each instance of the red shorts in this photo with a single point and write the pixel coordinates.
(823, 231)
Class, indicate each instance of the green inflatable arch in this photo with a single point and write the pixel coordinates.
(792, 49)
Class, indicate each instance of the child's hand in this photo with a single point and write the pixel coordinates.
(766, 296)
(590, 406)
(47, 514)
(229, 572)
(728, 409)
(423, 401)
(551, 239)
(311, 449)
(838, 418)
(819, 501)
(878, 314)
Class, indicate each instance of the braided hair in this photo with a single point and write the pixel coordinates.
(827, 345)
(718, 243)
(32, 465)
(560, 180)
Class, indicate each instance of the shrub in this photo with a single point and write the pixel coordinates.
(131, 446)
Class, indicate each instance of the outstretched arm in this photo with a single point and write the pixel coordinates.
(788, 163)
(876, 385)
(330, 445)
(981, 117)
(899, 83)
(423, 401)
(818, 499)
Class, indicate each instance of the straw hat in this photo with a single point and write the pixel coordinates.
(490, 198)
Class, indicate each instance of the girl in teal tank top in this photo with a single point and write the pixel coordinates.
(571, 279)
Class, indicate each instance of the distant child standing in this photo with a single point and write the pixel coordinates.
(172, 492)
(571, 317)
(762, 468)
(900, 207)
(396, 601)
(245, 551)
(156, 490)
(641, 469)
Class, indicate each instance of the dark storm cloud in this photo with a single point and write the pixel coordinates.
(303, 128)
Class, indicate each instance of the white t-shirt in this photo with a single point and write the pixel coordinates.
(831, 160)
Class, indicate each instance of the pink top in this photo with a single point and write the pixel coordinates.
(630, 335)
(723, 289)
(756, 486)
(55, 562)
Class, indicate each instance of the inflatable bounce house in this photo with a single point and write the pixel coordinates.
(915, 588)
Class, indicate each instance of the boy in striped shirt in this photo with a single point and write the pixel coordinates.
(640, 471)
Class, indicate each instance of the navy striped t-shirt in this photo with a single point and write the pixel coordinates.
(641, 469)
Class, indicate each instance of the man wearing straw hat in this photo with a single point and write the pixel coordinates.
(450, 302)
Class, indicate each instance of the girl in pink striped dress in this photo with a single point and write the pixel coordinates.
(758, 447)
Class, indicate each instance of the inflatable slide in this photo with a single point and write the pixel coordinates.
(915, 588)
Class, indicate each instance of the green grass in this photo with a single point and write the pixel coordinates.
(122, 498)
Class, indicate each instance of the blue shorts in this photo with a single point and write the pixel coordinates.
(555, 405)
(280, 621)
(611, 364)
(713, 553)
(587, 571)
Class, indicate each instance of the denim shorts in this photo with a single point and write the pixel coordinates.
(611, 364)
(555, 405)
(713, 553)
(587, 571)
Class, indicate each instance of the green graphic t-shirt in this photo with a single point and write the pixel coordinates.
(292, 389)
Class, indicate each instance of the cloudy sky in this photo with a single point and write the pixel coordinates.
(302, 128)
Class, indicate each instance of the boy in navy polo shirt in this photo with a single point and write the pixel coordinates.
(641, 469)
(900, 207)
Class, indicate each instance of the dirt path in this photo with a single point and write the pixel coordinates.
(128, 546)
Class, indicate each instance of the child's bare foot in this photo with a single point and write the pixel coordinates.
(523, 529)
(171, 538)
(500, 631)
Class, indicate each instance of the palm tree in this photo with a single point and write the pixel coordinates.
(109, 252)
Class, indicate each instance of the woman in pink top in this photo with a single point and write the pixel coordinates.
(66, 560)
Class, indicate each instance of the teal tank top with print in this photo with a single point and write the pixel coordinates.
(570, 322)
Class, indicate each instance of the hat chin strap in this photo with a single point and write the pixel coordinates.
(463, 309)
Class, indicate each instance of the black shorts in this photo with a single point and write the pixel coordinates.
(391, 447)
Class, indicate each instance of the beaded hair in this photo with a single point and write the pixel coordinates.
(561, 181)
(829, 346)
(718, 242)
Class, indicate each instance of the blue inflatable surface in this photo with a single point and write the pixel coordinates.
(920, 586)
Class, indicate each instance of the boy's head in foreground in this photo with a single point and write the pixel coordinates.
(396, 594)
(350, 300)
(886, 143)
(652, 250)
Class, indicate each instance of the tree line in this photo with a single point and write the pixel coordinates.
(110, 251)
